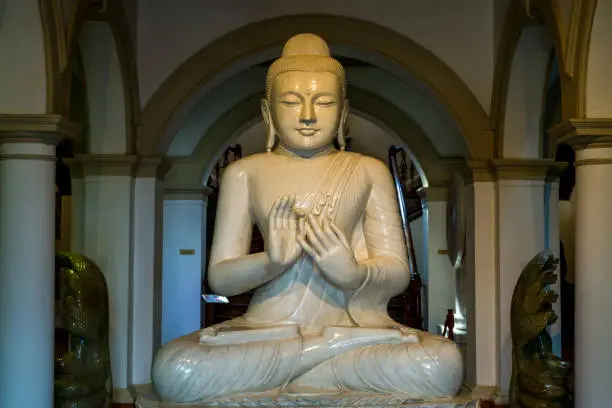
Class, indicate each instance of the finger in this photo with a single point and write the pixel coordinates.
(273, 213)
(307, 248)
(293, 220)
(339, 234)
(284, 212)
(329, 234)
(289, 217)
(313, 240)
(280, 215)
(320, 234)
(301, 226)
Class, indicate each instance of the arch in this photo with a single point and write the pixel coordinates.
(113, 15)
(598, 82)
(194, 170)
(577, 58)
(23, 79)
(175, 93)
(519, 19)
(520, 133)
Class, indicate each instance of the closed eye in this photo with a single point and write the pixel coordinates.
(326, 103)
(290, 103)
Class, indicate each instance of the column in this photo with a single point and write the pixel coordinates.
(481, 280)
(27, 245)
(106, 237)
(145, 309)
(521, 236)
(184, 259)
(592, 140)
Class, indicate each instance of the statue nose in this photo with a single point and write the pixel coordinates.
(307, 115)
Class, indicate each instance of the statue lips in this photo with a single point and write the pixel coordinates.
(307, 131)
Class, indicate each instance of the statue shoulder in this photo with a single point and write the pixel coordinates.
(376, 170)
(244, 167)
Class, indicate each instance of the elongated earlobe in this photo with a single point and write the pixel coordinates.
(267, 117)
(343, 127)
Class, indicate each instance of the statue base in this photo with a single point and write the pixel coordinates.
(342, 400)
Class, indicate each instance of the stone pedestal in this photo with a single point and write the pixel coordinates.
(343, 400)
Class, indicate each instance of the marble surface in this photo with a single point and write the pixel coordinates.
(345, 400)
(335, 254)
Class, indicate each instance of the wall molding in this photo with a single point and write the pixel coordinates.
(37, 128)
(187, 192)
(151, 166)
(84, 165)
(515, 169)
(583, 133)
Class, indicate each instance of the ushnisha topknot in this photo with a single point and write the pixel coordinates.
(305, 52)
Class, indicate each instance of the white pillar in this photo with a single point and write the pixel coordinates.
(107, 239)
(481, 280)
(145, 311)
(27, 248)
(593, 257)
(184, 258)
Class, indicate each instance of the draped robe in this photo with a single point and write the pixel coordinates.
(301, 334)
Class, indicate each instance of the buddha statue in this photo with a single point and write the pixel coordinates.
(335, 254)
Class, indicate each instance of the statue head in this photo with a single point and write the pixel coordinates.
(305, 102)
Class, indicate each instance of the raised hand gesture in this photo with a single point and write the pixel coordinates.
(283, 248)
(330, 250)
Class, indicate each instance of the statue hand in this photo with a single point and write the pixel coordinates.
(283, 249)
(330, 250)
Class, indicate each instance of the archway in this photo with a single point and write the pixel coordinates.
(532, 47)
(257, 42)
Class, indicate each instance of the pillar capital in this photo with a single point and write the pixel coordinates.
(117, 165)
(583, 133)
(516, 169)
(480, 171)
(82, 165)
(153, 166)
(45, 129)
(187, 192)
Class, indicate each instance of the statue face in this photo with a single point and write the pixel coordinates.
(306, 109)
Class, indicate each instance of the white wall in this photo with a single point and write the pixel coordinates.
(23, 82)
(107, 240)
(184, 226)
(460, 34)
(521, 237)
(440, 273)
